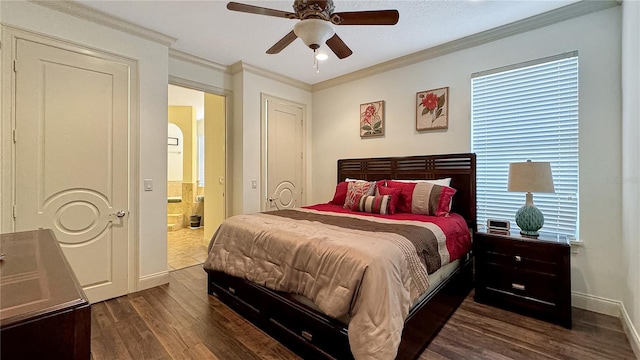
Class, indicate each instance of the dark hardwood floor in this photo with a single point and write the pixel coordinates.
(180, 321)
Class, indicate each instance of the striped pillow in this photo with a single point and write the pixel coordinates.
(372, 204)
(358, 188)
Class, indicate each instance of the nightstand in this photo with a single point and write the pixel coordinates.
(526, 275)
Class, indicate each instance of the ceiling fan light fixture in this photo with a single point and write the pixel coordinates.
(314, 32)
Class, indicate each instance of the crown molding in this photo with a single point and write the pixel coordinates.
(99, 17)
(567, 12)
(181, 55)
(242, 66)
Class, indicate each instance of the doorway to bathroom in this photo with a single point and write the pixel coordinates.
(196, 163)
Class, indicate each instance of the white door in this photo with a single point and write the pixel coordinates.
(284, 154)
(72, 160)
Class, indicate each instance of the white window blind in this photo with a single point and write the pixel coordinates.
(527, 111)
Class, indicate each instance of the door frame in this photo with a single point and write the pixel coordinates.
(10, 37)
(228, 106)
(264, 131)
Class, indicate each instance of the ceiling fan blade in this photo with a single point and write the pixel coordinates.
(339, 47)
(283, 43)
(260, 10)
(375, 17)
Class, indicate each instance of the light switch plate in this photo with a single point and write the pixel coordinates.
(148, 185)
(254, 183)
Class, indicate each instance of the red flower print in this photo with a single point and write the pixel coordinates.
(430, 101)
(368, 113)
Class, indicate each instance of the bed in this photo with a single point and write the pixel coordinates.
(299, 324)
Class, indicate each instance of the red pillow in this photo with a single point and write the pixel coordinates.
(341, 194)
(406, 194)
(395, 195)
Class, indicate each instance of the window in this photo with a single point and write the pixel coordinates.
(521, 112)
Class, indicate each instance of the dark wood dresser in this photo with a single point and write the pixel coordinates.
(525, 275)
(44, 314)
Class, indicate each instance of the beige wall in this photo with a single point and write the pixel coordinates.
(631, 162)
(214, 157)
(185, 118)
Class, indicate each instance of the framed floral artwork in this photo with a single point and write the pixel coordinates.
(432, 109)
(372, 119)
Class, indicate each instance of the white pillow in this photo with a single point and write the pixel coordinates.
(441, 182)
(357, 180)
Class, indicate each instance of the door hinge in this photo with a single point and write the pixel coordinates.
(15, 136)
(15, 65)
(14, 211)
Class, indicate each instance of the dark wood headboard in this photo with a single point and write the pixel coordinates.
(461, 168)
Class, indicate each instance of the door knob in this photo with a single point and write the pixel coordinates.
(120, 213)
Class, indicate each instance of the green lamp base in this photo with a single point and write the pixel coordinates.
(529, 220)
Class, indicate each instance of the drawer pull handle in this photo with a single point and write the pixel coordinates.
(517, 286)
(307, 335)
(232, 290)
(518, 258)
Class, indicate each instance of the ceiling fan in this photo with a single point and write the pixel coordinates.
(316, 25)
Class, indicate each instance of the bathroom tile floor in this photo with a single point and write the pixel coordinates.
(185, 248)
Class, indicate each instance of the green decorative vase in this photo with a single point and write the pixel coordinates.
(529, 218)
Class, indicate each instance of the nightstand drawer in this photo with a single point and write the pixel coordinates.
(534, 285)
(522, 260)
(508, 246)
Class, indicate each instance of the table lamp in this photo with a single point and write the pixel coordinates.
(530, 177)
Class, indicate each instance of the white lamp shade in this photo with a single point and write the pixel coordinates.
(314, 32)
(530, 177)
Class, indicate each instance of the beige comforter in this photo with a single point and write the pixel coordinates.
(344, 263)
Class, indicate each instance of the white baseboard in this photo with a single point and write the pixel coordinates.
(609, 307)
(153, 280)
(596, 304)
(630, 330)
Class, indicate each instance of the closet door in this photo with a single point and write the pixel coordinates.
(72, 154)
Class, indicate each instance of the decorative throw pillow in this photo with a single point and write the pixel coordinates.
(340, 195)
(394, 193)
(423, 198)
(358, 188)
(406, 192)
(372, 204)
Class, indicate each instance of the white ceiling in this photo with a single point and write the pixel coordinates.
(208, 30)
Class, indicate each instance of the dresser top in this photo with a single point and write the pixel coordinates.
(515, 235)
(35, 278)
